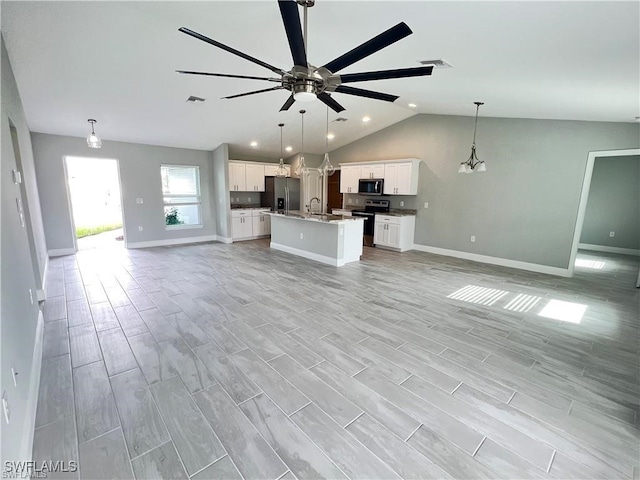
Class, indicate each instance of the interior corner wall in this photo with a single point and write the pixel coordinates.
(524, 208)
(19, 331)
(614, 203)
(221, 205)
(139, 167)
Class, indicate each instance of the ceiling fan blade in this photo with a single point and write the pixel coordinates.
(325, 98)
(386, 74)
(231, 50)
(253, 93)
(360, 92)
(291, 20)
(228, 75)
(287, 105)
(369, 47)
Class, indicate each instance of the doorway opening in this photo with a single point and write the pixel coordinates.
(607, 224)
(23, 205)
(96, 205)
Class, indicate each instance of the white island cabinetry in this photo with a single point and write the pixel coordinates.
(394, 232)
(331, 239)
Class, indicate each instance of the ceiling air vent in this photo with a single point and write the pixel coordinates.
(340, 119)
(193, 99)
(440, 63)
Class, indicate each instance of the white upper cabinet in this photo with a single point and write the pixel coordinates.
(255, 177)
(237, 177)
(349, 176)
(372, 171)
(401, 178)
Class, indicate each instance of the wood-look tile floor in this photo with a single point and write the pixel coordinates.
(235, 361)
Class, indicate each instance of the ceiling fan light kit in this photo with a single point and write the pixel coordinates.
(93, 141)
(473, 163)
(307, 82)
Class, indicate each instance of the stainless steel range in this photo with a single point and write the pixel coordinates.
(371, 207)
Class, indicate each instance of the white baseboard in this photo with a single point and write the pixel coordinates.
(225, 239)
(60, 252)
(503, 262)
(172, 241)
(34, 386)
(603, 248)
(311, 256)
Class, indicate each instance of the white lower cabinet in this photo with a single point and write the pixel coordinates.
(249, 223)
(261, 224)
(394, 232)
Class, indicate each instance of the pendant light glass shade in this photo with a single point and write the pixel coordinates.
(302, 167)
(473, 163)
(93, 141)
(326, 168)
(281, 171)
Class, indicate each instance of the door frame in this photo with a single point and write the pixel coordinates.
(584, 195)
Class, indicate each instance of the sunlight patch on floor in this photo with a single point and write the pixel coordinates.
(563, 311)
(478, 295)
(522, 303)
(594, 264)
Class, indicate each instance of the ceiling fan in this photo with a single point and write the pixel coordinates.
(307, 82)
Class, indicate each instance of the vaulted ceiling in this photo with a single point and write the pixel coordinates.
(116, 62)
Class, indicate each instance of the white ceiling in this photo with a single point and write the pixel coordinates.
(115, 61)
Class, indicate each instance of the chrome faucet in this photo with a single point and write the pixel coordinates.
(311, 202)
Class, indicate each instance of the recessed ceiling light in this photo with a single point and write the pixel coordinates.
(412, 105)
(330, 136)
(254, 144)
(440, 63)
(289, 148)
(365, 119)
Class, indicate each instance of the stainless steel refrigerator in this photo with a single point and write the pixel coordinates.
(281, 193)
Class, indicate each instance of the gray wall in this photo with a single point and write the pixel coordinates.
(614, 203)
(523, 208)
(139, 178)
(19, 318)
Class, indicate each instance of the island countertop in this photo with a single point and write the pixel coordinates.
(314, 217)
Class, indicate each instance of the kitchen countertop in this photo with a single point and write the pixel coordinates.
(235, 206)
(400, 212)
(315, 217)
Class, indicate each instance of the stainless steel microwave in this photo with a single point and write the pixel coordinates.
(370, 186)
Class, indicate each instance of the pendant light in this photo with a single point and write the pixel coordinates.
(281, 171)
(302, 167)
(93, 140)
(473, 163)
(325, 167)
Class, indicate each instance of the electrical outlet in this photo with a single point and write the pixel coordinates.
(426, 204)
(139, 201)
(473, 238)
(140, 229)
(302, 236)
(248, 199)
(612, 234)
(5, 407)
(401, 203)
(350, 201)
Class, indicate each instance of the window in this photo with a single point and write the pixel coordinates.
(181, 193)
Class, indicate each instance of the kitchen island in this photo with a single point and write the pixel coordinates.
(332, 239)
